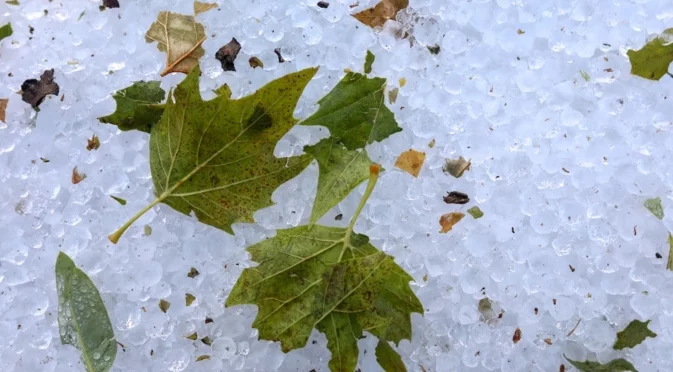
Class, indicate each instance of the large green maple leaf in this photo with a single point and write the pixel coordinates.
(652, 60)
(215, 158)
(330, 279)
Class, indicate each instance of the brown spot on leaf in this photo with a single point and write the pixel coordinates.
(227, 54)
(34, 91)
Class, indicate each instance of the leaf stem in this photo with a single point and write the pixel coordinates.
(373, 177)
(114, 237)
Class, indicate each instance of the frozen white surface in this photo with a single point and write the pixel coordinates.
(516, 104)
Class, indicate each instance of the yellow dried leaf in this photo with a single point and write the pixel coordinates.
(403, 82)
(3, 108)
(200, 7)
(180, 37)
(448, 220)
(411, 162)
(383, 11)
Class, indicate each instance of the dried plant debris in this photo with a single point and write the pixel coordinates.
(485, 307)
(77, 177)
(411, 161)
(200, 7)
(456, 197)
(180, 37)
(202, 357)
(189, 299)
(634, 334)
(118, 200)
(193, 273)
(392, 95)
(434, 49)
(110, 4)
(3, 109)
(193, 336)
(227, 54)
(475, 212)
(323, 4)
(447, 221)
(164, 305)
(383, 11)
(456, 167)
(93, 143)
(147, 230)
(255, 62)
(652, 60)
(654, 205)
(280, 56)
(517, 336)
(369, 61)
(206, 340)
(34, 91)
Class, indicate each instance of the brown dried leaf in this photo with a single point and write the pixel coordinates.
(34, 91)
(227, 54)
(200, 7)
(77, 177)
(180, 36)
(456, 167)
(456, 197)
(517, 336)
(411, 162)
(3, 108)
(93, 143)
(255, 62)
(383, 11)
(448, 220)
(110, 3)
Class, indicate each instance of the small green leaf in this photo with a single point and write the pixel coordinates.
(6, 31)
(654, 206)
(82, 318)
(12, 2)
(369, 61)
(138, 106)
(189, 299)
(118, 200)
(669, 264)
(585, 75)
(164, 305)
(617, 365)
(388, 358)
(193, 336)
(635, 333)
(475, 212)
(206, 340)
(355, 113)
(147, 230)
(193, 273)
(652, 60)
(341, 171)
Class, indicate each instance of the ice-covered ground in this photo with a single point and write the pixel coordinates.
(561, 166)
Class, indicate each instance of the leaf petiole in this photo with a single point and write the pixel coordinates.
(374, 171)
(114, 237)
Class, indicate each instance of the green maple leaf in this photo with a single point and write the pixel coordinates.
(6, 30)
(653, 59)
(355, 113)
(340, 171)
(138, 107)
(83, 320)
(634, 334)
(326, 278)
(617, 365)
(215, 158)
(388, 358)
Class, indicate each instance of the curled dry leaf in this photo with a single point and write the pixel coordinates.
(456, 167)
(93, 143)
(34, 91)
(456, 197)
(77, 177)
(255, 62)
(200, 7)
(383, 11)
(447, 221)
(3, 109)
(411, 162)
(180, 37)
(227, 54)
